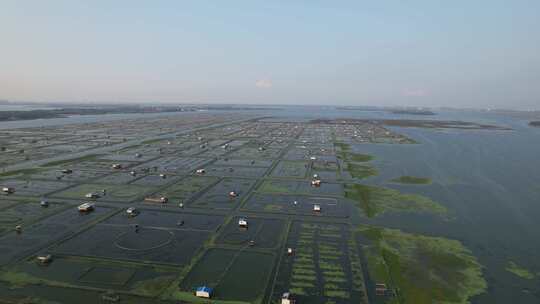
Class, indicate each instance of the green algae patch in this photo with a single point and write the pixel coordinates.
(411, 180)
(360, 171)
(355, 163)
(422, 269)
(376, 200)
(345, 153)
(20, 279)
(152, 287)
(520, 271)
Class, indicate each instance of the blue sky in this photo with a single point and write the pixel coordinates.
(423, 53)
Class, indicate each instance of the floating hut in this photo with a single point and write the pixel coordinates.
(287, 298)
(86, 207)
(242, 222)
(200, 171)
(380, 289)
(92, 195)
(162, 199)
(203, 292)
(110, 296)
(44, 259)
(8, 190)
(131, 211)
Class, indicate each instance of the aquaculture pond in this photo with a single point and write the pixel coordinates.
(408, 210)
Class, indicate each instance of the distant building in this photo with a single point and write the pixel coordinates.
(290, 251)
(203, 292)
(316, 183)
(117, 166)
(44, 203)
(67, 171)
(200, 171)
(317, 208)
(233, 194)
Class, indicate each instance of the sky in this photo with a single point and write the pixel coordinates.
(480, 54)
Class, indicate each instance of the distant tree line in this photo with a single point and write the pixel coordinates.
(56, 113)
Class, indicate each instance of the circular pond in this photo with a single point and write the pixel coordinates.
(144, 239)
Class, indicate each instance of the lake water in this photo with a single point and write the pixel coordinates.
(489, 180)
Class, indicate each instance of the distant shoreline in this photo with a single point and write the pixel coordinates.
(17, 115)
(60, 113)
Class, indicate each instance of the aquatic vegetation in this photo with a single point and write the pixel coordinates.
(422, 269)
(360, 171)
(354, 163)
(152, 286)
(413, 180)
(19, 278)
(520, 271)
(376, 200)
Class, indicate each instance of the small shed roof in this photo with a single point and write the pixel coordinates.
(205, 289)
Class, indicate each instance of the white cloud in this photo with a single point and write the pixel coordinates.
(263, 83)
